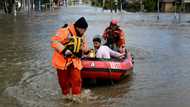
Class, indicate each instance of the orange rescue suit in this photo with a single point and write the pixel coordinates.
(68, 68)
(119, 40)
(58, 60)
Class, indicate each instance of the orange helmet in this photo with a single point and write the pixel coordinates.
(114, 22)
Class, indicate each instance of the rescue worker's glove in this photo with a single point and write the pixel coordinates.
(67, 53)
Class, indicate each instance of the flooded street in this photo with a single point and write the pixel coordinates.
(160, 76)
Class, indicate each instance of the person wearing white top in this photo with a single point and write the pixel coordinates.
(104, 51)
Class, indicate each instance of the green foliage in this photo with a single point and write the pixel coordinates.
(45, 1)
(107, 5)
(97, 3)
(179, 8)
(150, 5)
(133, 7)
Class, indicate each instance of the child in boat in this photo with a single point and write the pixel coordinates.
(104, 51)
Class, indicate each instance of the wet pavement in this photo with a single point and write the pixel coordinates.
(161, 49)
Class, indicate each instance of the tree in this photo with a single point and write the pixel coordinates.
(150, 5)
(7, 5)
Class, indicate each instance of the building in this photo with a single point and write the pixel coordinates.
(186, 5)
(167, 5)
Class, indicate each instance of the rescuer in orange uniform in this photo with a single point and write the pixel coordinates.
(69, 44)
(114, 36)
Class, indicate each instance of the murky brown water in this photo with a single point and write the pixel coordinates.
(160, 76)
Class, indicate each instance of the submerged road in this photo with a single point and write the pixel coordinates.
(160, 77)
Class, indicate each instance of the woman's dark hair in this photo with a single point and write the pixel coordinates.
(97, 39)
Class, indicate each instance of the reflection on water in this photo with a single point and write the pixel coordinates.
(160, 76)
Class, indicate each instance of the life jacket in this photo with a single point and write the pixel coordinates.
(63, 36)
(113, 38)
(74, 45)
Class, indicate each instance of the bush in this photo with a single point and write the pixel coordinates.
(150, 5)
(107, 5)
(133, 7)
(96, 3)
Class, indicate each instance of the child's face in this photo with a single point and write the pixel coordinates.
(96, 44)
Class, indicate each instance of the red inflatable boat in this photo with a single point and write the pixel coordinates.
(94, 68)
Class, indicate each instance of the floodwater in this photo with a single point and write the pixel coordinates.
(160, 75)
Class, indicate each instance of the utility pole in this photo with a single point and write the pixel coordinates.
(24, 5)
(175, 13)
(32, 5)
(103, 5)
(158, 10)
(179, 19)
(29, 7)
(110, 5)
(14, 7)
(141, 5)
(39, 4)
(122, 4)
(180, 12)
